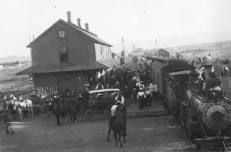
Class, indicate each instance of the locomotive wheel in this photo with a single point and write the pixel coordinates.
(191, 128)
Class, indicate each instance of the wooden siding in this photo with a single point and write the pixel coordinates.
(46, 50)
(66, 80)
(102, 52)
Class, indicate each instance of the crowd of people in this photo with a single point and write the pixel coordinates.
(133, 87)
(206, 80)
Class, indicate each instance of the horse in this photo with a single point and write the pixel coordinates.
(26, 105)
(118, 125)
(61, 108)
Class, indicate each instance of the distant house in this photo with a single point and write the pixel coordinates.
(163, 53)
(138, 52)
(66, 55)
(115, 56)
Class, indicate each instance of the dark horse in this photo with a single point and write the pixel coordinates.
(118, 125)
(62, 107)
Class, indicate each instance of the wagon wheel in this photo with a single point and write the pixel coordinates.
(88, 115)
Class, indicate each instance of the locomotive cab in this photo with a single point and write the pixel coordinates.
(212, 87)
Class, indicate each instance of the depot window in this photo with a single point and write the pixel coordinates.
(63, 54)
(61, 33)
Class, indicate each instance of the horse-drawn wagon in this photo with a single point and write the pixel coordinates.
(100, 102)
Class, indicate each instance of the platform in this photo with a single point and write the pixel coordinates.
(156, 109)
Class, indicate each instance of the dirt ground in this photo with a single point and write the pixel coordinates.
(152, 134)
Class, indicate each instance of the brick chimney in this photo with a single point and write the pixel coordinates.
(86, 26)
(68, 16)
(79, 22)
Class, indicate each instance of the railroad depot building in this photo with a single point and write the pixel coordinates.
(66, 55)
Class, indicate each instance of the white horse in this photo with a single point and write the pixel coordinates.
(12, 104)
(26, 105)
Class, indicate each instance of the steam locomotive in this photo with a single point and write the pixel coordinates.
(205, 115)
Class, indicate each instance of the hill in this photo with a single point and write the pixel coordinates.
(215, 49)
(14, 58)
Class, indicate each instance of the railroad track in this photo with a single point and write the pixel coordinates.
(134, 115)
(213, 144)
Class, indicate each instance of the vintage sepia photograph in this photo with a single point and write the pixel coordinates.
(115, 76)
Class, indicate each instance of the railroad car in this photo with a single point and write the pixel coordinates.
(160, 70)
(204, 116)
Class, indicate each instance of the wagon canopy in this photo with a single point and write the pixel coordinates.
(103, 90)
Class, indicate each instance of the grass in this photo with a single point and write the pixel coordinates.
(9, 81)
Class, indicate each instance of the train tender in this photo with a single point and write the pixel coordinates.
(200, 106)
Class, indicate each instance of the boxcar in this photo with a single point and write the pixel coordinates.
(160, 69)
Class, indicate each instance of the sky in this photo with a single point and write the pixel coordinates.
(170, 22)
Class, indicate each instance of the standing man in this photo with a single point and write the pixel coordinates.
(141, 97)
(117, 85)
(8, 117)
(99, 86)
(84, 99)
(127, 95)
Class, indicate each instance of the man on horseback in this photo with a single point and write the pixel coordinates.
(118, 111)
(113, 111)
(119, 103)
(120, 98)
(117, 123)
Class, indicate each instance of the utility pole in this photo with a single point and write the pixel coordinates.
(156, 43)
(155, 50)
(123, 46)
(122, 59)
